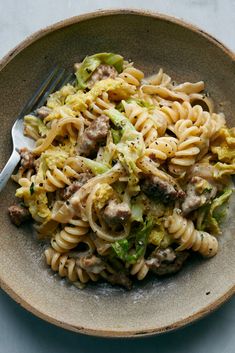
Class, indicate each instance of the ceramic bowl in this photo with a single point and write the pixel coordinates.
(151, 41)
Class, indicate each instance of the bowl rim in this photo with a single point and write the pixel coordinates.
(3, 62)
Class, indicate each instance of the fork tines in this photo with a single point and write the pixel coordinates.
(57, 78)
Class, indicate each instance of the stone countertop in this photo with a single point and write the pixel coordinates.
(21, 332)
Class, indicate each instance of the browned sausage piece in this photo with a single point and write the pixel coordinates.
(116, 213)
(196, 198)
(120, 279)
(101, 73)
(156, 188)
(27, 158)
(166, 261)
(18, 214)
(75, 186)
(43, 112)
(91, 264)
(93, 135)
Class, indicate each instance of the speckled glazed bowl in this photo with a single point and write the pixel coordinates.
(151, 41)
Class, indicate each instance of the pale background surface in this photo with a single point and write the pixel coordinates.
(21, 332)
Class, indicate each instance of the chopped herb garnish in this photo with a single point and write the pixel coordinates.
(31, 189)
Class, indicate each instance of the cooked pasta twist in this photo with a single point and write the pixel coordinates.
(217, 122)
(97, 107)
(140, 269)
(184, 232)
(71, 235)
(162, 148)
(176, 112)
(150, 124)
(211, 123)
(24, 189)
(67, 267)
(164, 93)
(189, 146)
(61, 127)
(22, 174)
(55, 179)
(132, 75)
(159, 79)
(60, 178)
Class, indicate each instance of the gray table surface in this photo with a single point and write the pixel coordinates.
(21, 332)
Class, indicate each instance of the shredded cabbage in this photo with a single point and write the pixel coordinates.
(137, 210)
(159, 236)
(221, 169)
(131, 249)
(94, 166)
(224, 148)
(37, 125)
(54, 157)
(213, 214)
(35, 198)
(102, 196)
(91, 63)
(58, 98)
(131, 145)
(80, 100)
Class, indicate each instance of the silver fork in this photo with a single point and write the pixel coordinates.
(54, 81)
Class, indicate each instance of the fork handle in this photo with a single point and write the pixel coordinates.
(9, 168)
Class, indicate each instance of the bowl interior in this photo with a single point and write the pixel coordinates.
(155, 305)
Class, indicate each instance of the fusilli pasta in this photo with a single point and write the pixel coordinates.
(189, 238)
(71, 235)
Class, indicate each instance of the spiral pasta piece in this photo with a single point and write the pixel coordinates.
(164, 93)
(97, 107)
(217, 123)
(188, 237)
(62, 264)
(150, 124)
(58, 179)
(210, 123)
(162, 148)
(160, 79)
(67, 267)
(132, 76)
(71, 235)
(140, 269)
(22, 173)
(61, 127)
(55, 179)
(189, 146)
(24, 189)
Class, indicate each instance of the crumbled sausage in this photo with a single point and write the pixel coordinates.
(116, 213)
(43, 112)
(27, 158)
(118, 278)
(94, 135)
(166, 261)
(156, 188)
(66, 193)
(101, 73)
(91, 264)
(196, 195)
(18, 214)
